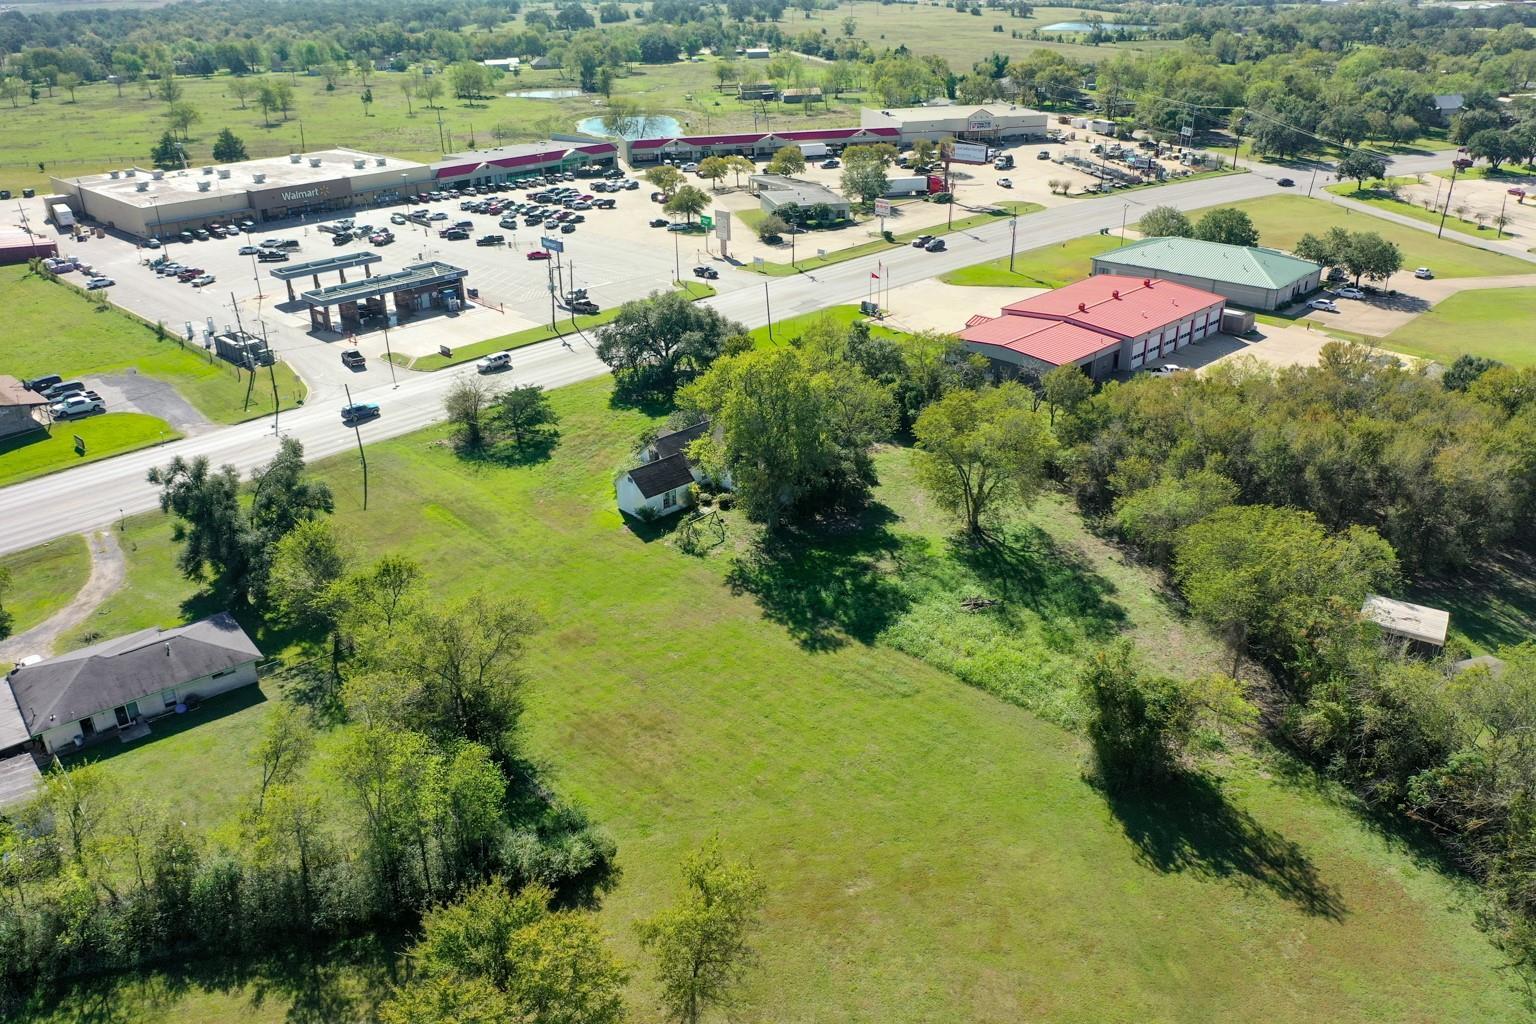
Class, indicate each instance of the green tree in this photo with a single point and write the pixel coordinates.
(1227, 225)
(1141, 726)
(665, 177)
(447, 999)
(1492, 145)
(182, 116)
(771, 226)
(305, 582)
(228, 148)
(701, 943)
(465, 404)
(1270, 577)
(167, 152)
(1369, 255)
(1065, 387)
(69, 82)
(210, 523)
(1164, 222)
(688, 201)
(523, 412)
(1360, 165)
(287, 740)
(864, 181)
(982, 451)
(712, 169)
(656, 344)
(787, 160)
(1152, 517)
(1466, 370)
(7, 620)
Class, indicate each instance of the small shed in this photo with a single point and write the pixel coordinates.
(1423, 628)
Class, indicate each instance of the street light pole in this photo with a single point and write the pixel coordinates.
(1456, 166)
(1125, 208)
(389, 357)
(1013, 239)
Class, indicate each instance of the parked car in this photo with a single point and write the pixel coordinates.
(187, 237)
(77, 405)
(1005, 182)
(491, 240)
(537, 254)
(708, 273)
(1326, 305)
(1423, 273)
(249, 250)
(382, 237)
(455, 234)
(437, 215)
(271, 256)
(189, 273)
(62, 390)
(679, 226)
(42, 383)
(202, 280)
(357, 412)
(341, 238)
(99, 282)
(586, 307)
(1043, 155)
(568, 227)
(494, 363)
(152, 243)
(352, 359)
(1350, 293)
(1166, 370)
(829, 163)
(937, 245)
(201, 234)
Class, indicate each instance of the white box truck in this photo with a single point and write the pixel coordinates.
(63, 219)
(813, 150)
(914, 186)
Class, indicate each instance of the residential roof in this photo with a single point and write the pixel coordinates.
(1236, 264)
(675, 441)
(1117, 305)
(13, 729)
(71, 686)
(654, 478)
(12, 393)
(1413, 621)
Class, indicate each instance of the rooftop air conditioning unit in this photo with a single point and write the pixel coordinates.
(207, 170)
(130, 172)
(294, 158)
(359, 164)
(259, 177)
(203, 186)
(157, 175)
(112, 175)
(141, 186)
(224, 172)
(315, 161)
(379, 161)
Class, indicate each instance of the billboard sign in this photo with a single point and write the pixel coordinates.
(968, 153)
(552, 244)
(882, 207)
(723, 225)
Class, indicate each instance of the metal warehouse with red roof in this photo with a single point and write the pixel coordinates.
(695, 147)
(1106, 324)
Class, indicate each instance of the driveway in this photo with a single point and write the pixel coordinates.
(107, 571)
(135, 392)
(1380, 315)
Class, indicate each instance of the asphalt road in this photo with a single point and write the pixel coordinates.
(97, 494)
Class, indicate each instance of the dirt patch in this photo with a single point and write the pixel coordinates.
(107, 571)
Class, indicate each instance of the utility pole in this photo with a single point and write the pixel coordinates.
(769, 308)
(272, 376)
(389, 357)
(1456, 165)
(357, 430)
(302, 147)
(1013, 239)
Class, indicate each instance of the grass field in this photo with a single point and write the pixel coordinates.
(37, 454)
(1381, 200)
(932, 852)
(1050, 266)
(43, 579)
(1282, 220)
(52, 329)
(1492, 322)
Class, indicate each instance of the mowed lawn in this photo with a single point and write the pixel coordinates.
(37, 453)
(43, 580)
(1499, 323)
(1050, 266)
(1282, 220)
(52, 329)
(932, 852)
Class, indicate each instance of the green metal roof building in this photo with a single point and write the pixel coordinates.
(1247, 276)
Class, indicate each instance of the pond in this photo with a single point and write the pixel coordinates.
(544, 94)
(1083, 26)
(652, 126)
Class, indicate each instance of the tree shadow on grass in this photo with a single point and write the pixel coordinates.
(533, 450)
(650, 403)
(1029, 568)
(1189, 826)
(826, 586)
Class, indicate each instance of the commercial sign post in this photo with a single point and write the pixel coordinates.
(722, 221)
(552, 244)
(882, 210)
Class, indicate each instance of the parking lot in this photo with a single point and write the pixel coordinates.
(613, 254)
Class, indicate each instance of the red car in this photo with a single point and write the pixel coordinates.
(537, 254)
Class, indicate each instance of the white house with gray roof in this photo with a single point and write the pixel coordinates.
(63, 702)
(1249, 276)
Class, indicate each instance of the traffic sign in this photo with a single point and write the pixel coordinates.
(706, 221)
(552, 244)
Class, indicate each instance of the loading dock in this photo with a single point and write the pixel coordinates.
(417, 288)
